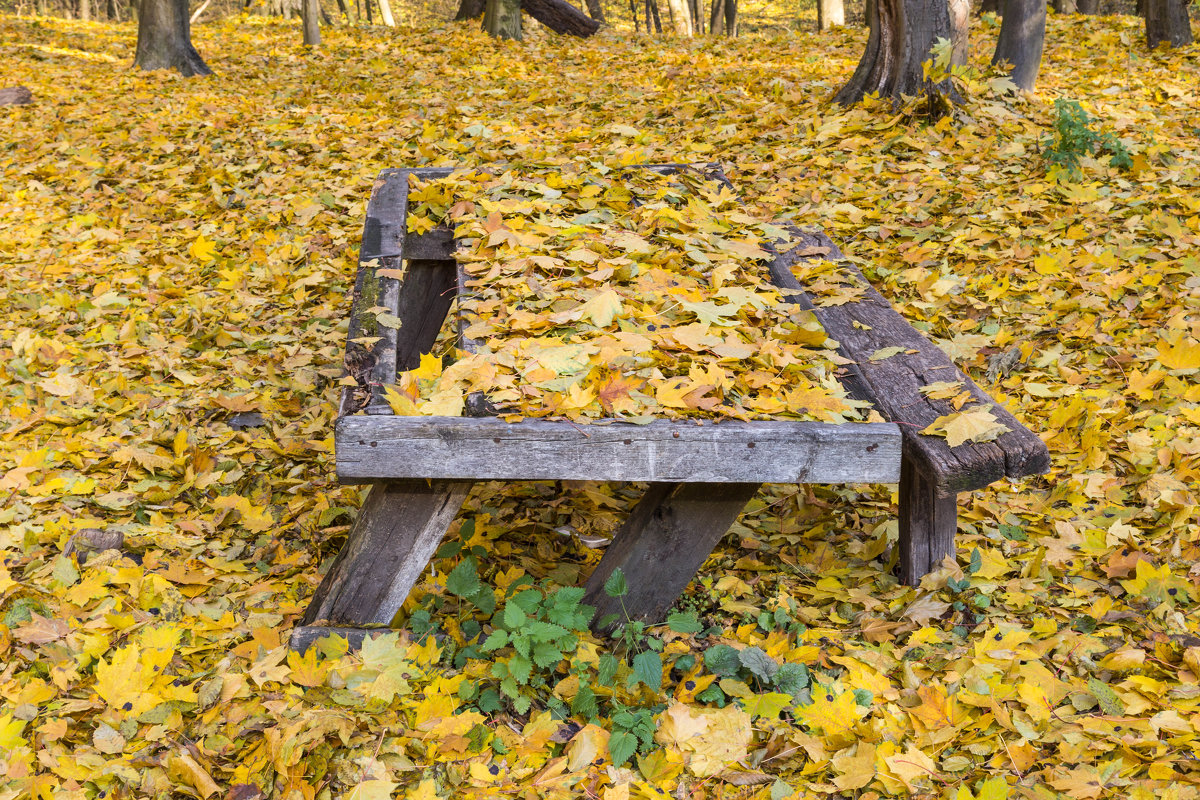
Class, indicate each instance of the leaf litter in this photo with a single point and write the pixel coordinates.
(183, 257)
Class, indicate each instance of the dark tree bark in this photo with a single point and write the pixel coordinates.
(830, 13)
(652, 12)
(469, 9)
(902, 37)
(718, 19)
(731, 17)
(560, 16)
(1167, 22)
(1088, 6)
(596, 10)
(1066, 7)
(633, 11)
(870, 10)
(696, 10)
(1022, 34)
(994, 6)
(165, 39)
(502, 18)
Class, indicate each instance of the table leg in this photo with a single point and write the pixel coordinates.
(928, 523)
(662, 544)
(397, 531)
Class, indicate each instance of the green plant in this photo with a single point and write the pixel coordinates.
(1074, 138)
(752, 665)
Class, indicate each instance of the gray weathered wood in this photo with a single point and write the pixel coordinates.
(773, 451)
(928, 522)
(662, 544)
(304, 636)
(893, 384)
(397, 531)
(426, 294)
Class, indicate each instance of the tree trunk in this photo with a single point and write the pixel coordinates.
(697, 15)
(634, 13)
(993, 6)
(312, 28)
(1167, 22)
(731, 19)
(902, 37)
(469, 9)
(830, 13)
(870, 10)
(1065, 7)
(15, 96)
(716, 24)
(680, 18)
(596, 10)
(85, 10)
(1022, 34)
(502, 18)
(652, 11)
(385, 13)
(559, 16)
(165, 39)
(960, 27)
(110, 10)
(1088, 6)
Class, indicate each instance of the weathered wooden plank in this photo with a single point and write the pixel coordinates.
(928, 522)
(772, 451)
(662, 544)
(383, 232)
(397, 531)
(426, 294)
(304, 636)
(893, 384)
(435, 245)
(476, 403)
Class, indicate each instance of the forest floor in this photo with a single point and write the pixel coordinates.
(174, 253)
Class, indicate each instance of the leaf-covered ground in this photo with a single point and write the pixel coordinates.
(174, 263)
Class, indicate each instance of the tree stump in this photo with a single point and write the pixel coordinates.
(15, 96)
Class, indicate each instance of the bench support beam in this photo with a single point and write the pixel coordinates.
(662, 544)
(397, 531)
(927, 524)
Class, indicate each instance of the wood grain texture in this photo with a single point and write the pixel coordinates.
(893, 384)
(397, 531)
(304, 636)
(665, 450)
(928, 522)
(662, 544)
(426, 294)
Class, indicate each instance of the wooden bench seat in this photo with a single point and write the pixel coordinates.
(701, 473)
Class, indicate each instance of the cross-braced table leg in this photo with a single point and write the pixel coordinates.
(662, 544)
(396, 533)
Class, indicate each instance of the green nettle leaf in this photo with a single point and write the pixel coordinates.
(463, 580)
(545, 654)
(606, 672)
(621, 746)
(1109, 700)
(615, 586)
(684, 622)
(489, 701)
(546, 631)
(584, 703)
(712, 694)
(521, 643)
(647, 667)
(761, 665)
(864, 697)
(495, 640)
(514, 617)
(521, 703)
(521, 668)
(722, 660)
(791, 678)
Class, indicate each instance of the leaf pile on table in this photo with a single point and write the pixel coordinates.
(629, 294)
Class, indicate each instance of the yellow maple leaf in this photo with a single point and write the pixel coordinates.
(202, 249)
(1179, 353)
(976, 425)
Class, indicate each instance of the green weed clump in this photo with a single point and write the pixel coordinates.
(1074, 138)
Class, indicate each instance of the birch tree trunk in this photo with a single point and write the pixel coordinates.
(830, 13)
(502, 18)
(680, 17)
(385, 13)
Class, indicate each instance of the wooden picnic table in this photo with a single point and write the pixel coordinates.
(701, 472)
